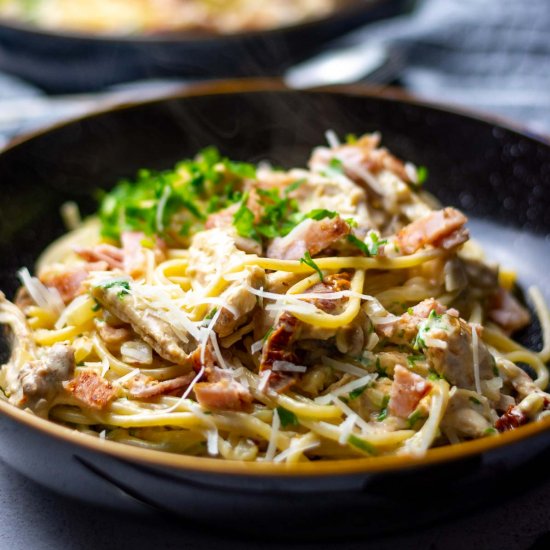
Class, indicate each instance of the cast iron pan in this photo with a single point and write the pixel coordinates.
(70, 62)
(499, 175)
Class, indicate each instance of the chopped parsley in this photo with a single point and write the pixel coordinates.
(243, 220)
(351, 139)
(421, 175)
(412, 359)
(434, 321)
(268, 334)
(361, 444)
(414, 417)
(379, 369)
(294, 185)
(490, 431)
(354, 394)
(122, 285)
(172, 202)
(287, 418)
(474, 400)
(307, 260)
(97, 306)
(369, 247)
(383, 414)
(334, 168)
(321, 213)
(209, 316)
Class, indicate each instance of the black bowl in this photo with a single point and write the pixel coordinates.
(500, 176)
(64, 62)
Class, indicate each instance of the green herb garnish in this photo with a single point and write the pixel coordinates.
(287, 418)
(122, 285)
(414, 418)
(307, 260)
(475, 401)
(384, 409)
(421, 175)
(368, 248)
(361, 444)
(354, 394)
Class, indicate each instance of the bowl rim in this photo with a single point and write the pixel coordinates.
(207, 465)
(349, 7)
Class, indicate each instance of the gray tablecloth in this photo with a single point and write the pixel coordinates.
(487, 54)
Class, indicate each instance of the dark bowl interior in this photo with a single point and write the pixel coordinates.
(71, 62)
(498, 175)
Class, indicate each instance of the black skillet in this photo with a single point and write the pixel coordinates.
(499, 175)
(65, 62)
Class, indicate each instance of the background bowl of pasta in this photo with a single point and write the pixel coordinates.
(496, 174)
(65, 47)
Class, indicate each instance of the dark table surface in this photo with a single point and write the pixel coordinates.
(33, 518)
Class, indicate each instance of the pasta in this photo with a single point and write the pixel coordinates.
(150, 16)
(252, 313)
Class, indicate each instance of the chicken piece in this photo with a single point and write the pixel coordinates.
(92, 390)
(144, 387)
(40, 380)
(311, 236)
(238, 297)
(468, 414)
(507, 312)
(449, 350)
(156, 332)
(406, 391)
(441, 228)
(211, 253)
(32, 377)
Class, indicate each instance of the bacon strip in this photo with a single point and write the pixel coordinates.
(407, 390)
(151, 388)
(224, 394)
(507, 312)
(442, 228)
(310, 235)
(94, 391)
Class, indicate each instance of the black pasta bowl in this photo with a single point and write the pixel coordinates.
(67, 62)
(500, 176)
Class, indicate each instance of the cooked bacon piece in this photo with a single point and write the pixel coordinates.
(115, 336)
(146, 388)
(112, 255)
(68, 283)
(424, 308)
(507, 312)
(279, 348)
(224, 395)
(442, 228)
(407, 325)
(310, 235)
(365, 154)
(279, 343)
(94, 391)
(331, 283)
(512, 418)
(406, 392)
